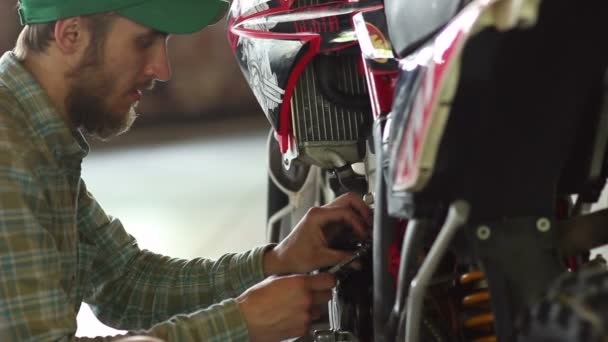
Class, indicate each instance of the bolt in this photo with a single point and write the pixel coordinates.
(368, 198)
(483, 232)
(543, 224)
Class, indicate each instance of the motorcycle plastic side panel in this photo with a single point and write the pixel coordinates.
(410, 21)
(426, 111)
(266, 65)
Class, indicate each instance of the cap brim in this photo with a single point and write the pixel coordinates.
(177, 16)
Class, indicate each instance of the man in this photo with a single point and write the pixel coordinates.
(80, 67)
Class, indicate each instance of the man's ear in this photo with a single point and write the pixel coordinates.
(71, 35)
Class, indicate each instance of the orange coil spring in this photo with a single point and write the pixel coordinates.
(480, 323)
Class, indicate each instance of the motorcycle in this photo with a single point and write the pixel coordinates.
(469, 127)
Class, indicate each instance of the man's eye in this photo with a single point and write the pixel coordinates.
(145, 43)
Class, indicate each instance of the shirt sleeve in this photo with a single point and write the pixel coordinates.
(33, 301)
(135, 289)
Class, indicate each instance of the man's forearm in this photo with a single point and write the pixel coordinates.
(272, 263)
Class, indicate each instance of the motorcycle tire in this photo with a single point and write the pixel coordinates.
(574, 310)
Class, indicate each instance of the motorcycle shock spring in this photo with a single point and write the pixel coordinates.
(479, 320)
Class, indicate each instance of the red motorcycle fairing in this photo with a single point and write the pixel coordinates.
(275, 40)
(428, 80)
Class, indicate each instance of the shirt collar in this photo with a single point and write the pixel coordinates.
(41, 114)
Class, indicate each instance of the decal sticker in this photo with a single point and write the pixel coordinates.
(262, 80)
(374, 44)
(254, 54)
(242, 8)
(324, 24)
(379, 42)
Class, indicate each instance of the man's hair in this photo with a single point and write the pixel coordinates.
(36, 38)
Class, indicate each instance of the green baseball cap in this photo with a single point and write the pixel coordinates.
(170, 16)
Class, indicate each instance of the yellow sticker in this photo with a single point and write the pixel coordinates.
(379, 42)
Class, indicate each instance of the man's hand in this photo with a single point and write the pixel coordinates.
(306, 248)
(280, 308)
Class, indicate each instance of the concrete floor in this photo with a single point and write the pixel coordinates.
(184, 190)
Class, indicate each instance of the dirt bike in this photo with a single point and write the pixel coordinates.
(470, 132)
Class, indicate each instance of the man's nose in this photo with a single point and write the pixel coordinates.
(158, 67)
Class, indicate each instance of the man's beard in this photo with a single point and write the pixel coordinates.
(87, 105)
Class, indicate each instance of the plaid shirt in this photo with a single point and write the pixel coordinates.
(58, 247)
